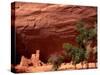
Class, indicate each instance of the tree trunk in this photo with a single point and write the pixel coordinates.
(75, 66)
(87, 65)
(95, 65)
(82, 64)
(55, 67)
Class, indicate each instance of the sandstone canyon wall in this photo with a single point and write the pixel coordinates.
(46, 27)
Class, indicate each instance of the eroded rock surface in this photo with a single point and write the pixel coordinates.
(47, 26)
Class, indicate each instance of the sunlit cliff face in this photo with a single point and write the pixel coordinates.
(47, 26)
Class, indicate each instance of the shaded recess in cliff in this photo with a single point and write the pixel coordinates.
(46, 27)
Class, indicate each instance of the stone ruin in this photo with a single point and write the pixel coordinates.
(26, 64)
(33, 61)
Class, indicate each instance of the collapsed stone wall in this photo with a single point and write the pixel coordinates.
(33, 61)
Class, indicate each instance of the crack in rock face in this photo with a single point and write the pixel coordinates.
(46, 27)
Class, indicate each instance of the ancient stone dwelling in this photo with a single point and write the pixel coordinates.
(33, 61)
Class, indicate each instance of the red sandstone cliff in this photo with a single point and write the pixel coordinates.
(47, 26)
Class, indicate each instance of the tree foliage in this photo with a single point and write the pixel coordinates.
(85, 34)
(76, 53)
(79, 54)
(56, 60)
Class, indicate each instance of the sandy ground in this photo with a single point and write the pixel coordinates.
(48, 67)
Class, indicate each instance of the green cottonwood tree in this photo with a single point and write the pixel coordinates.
(85, 35)
(76, 54)
(80, 53)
